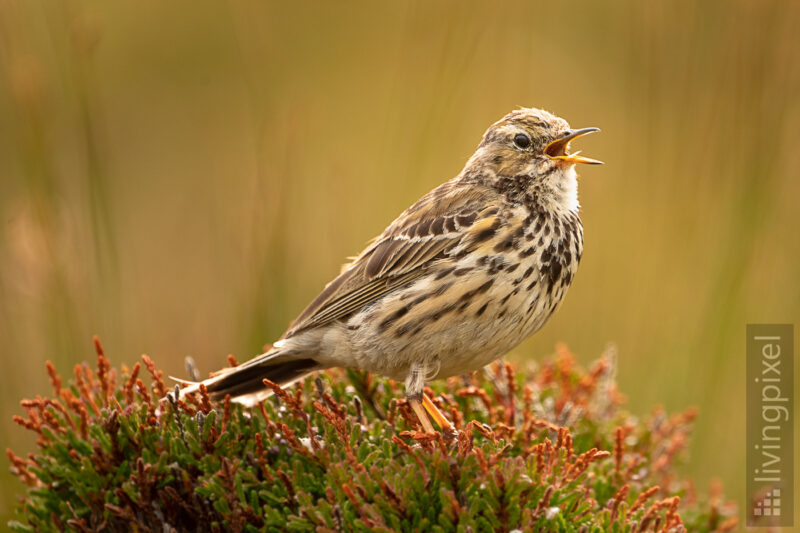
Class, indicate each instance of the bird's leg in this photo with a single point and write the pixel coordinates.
(415, 385)
(416, 405)
(447, 428)
(419, 401)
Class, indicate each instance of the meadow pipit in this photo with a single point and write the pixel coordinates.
(456, 281)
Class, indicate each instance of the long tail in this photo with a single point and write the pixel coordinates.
(245, 382)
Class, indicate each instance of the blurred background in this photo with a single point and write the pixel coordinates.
(181, 178)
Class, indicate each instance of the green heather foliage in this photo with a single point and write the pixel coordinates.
(548, 449)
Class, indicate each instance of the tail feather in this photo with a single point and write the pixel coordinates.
(245, 382)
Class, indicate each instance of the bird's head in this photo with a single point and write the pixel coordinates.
(525, 155)
(527, 141)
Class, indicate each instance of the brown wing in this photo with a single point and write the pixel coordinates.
(441, 223)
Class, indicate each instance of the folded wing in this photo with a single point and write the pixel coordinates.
(439, 226)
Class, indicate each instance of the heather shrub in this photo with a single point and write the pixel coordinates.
(542, 449)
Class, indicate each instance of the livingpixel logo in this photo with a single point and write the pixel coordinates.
(770, 431)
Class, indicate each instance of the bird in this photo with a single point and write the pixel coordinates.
(460, 278)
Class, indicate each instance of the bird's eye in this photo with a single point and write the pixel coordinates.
(522, 140)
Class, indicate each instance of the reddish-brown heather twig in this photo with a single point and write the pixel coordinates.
(291, 499)
(205, 400)
(82, 376)
(111, 378)
(84, 414)
(582, 463)
(76, 522)
(481, 394)
(88, 373)
(339, 422)
(361, 492)
(568, 445)
(619, 448)
(285, 397)
(405, 448)
(527, 412)
(103, 368)
(511, 390)
(186, 408)
(124, 513)
(643, 497)
(294, 443)
(544, 502)
(390, 494)
(261, 453)
(193, 399)
(33, 423)
(495, 457)
(161, 388)
(500, 484)
(331, 496)
(226, 414)
(456, 418)
(454, 507)
(402, 406)
(560, 436)
(55, 404)
(617, 500)
(482, 462)
(551, 454)
(295, 404)
(657, 523)
(483, 429)
(130, 383)
(464, 443)
(19, 467)
(538, 451)
(357, 504)
(227, 475)
(111, 425)
(672, 518)
(503, 431)
(426, 440)
(50, 418)
(331, 404)
(537, 423)
(55, 379)
(650, 516)
(270, 424)
(142, 390)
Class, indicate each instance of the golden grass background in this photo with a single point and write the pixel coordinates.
(181, 178)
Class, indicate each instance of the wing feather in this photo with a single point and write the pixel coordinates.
(431, 230)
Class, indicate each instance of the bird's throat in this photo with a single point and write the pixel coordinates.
(564, 189)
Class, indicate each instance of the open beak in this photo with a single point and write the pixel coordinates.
(558, 148)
